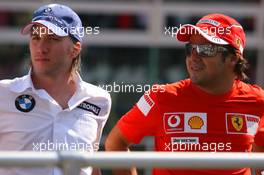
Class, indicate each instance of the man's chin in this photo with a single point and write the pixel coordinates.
(42, 72)
(197, 80)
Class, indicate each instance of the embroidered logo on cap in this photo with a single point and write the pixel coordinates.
(48, 10)
(209, 21)
(25, 103)
(238, 42)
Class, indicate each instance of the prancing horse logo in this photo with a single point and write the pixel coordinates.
(237, 122)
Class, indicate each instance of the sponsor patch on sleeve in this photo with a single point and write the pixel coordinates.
(145, 104)
(90, 107)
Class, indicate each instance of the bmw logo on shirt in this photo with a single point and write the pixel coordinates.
(25, 103)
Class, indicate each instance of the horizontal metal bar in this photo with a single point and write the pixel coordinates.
(28, 159)
(192, 160)
(113, 7)
(175, 160)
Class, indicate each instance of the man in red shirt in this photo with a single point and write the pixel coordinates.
(212, 111)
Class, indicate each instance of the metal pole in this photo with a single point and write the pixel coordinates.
(70, 163)
(192, 160)
(260, 52)
(70, 168)
(153, 65)
(28, 159)
(75, 160)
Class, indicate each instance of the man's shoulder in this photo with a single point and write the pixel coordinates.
(95, 91)
(8, 88)
(14, 84)
(7, 83)
(182, 84)
(172, 90)
(175, 87)
(250, 90)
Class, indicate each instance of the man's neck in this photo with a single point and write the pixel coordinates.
(218, 88)
(61, 88)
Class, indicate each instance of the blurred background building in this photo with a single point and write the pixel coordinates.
(131, 42)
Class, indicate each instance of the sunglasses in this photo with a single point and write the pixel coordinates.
(204, 50)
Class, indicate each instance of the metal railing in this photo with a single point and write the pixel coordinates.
(72, 162)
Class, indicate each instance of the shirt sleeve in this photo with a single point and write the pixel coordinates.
(259, 137)
(101, 120)
(142, 119)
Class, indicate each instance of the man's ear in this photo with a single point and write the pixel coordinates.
(76, 49)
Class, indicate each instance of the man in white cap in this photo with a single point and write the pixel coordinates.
(52, 108)
(212, 111)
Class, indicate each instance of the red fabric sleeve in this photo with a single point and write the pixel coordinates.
(259, 137)
(142, 119)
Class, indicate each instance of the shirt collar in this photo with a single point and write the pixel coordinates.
(83, 92)
(86, 91)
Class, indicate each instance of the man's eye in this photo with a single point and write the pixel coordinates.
(55, 38)
(208, 48)
(211, 48)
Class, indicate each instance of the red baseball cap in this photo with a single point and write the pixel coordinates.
(216, 28)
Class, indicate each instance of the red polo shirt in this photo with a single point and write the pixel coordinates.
(182, 117)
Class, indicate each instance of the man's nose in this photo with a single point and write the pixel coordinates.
(194, 55)
(43, 45)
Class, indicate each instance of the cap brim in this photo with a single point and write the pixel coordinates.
(186, 31)
(55, 29)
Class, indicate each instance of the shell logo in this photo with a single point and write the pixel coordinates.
(195, 122)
